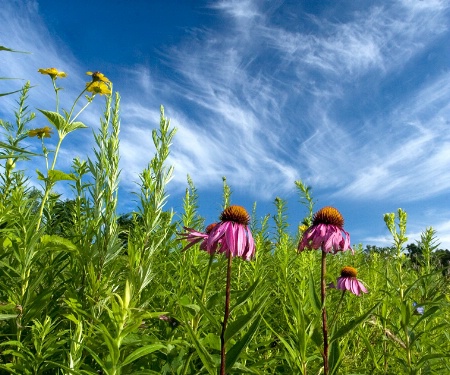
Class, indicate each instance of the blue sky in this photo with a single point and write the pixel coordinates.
(351, 97)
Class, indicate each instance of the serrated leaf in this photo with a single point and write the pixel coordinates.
(56, 175)
(40, 175)
(74, 126)
(55, 119)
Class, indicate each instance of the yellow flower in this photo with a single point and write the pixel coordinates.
(53, 73)
(97, 76)
(44, 132)
(98, 87)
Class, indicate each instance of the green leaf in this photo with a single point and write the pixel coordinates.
(246, 295)
(140, 352)
(431, 356)
(56, 175)
(207, 312)
(55, 119)
(236, 326)
(313, 296)
(8, 93)
(58, 243)
(335, 357)
(3, 48)
(74, 125)
(8, 316)
(234, 353)
(369, 347)
(428, 312)
(7, 146)
(185, 302)
(203, 354)
(353, 323)
(40, 175)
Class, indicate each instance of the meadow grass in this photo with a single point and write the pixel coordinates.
(84, 290)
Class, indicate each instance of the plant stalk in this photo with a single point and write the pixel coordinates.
(324, 313)
(225, 317)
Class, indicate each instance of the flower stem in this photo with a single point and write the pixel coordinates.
(208, 272)
(225, 316)
(56, 92)
(323, 287)
(337, 311)
(202, 296)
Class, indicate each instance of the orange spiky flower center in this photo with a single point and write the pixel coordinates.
(349, 272)
(328, 215)
(236, 214)
(210, 227)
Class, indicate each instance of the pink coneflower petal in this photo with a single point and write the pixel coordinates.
(232, 235)
(348, 281)
(326, 233)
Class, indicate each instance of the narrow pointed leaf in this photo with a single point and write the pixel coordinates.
(7, 146)
(140, 352)
(234, 353)
(239, 324)
(313, 296)
(353, 323)
(246, 295)
(203, 354)
(8, 316)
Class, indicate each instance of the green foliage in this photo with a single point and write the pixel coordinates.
(84, 290)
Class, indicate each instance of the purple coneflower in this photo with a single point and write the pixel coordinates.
(348, 281)
(194, 237)
(326, 233)
(232, 235)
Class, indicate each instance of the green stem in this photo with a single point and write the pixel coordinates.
(208, 273)
(337, 310)
(57, 95)
(76, 100)
(196, 320)
(79, 112)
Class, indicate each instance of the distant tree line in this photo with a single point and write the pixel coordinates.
(416, 254)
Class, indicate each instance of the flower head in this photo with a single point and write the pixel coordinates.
(98, 87)
(348, 281)
(418, 310)
(232, 235)
(97, 76)
(194, 237)
(44, 132)
(53, 73)
(326, 232)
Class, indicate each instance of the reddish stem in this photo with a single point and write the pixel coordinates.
(324, 314)
(225, 317)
